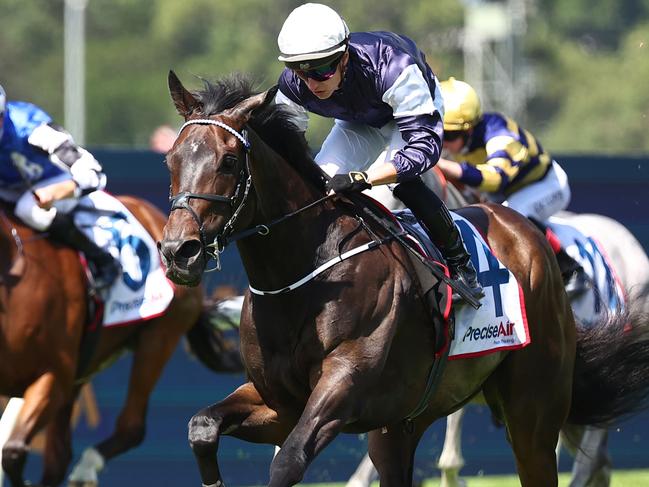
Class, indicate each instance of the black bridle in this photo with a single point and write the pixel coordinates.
(236, 202)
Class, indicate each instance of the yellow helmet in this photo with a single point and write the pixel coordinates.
(461, 105)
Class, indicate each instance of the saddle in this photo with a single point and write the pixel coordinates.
(435, 294)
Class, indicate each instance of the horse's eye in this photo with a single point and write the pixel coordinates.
(229, 162)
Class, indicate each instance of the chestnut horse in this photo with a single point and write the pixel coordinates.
(43, 312)
(348, 347)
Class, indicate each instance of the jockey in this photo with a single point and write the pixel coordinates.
(505, 162)
(382, 94)
(44, 173)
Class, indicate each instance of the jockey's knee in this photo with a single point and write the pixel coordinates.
(28, 211)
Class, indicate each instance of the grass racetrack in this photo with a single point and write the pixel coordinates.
(619, 478)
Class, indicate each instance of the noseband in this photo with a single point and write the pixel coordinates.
(181, 201)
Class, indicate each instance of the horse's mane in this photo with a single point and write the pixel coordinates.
(274, 123)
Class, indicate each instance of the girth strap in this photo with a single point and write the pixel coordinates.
(321, 269)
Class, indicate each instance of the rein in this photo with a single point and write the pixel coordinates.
(182, 201)
(14, 233)
(18, 265)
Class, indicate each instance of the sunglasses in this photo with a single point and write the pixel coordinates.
(452, 135)
(321, 73)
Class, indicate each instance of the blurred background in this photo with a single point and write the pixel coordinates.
(573, 72)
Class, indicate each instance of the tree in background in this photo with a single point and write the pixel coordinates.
(590, 59)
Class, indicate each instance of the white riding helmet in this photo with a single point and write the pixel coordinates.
(312, 31)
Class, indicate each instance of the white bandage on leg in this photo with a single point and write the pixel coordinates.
(91, 463)
(217, 484)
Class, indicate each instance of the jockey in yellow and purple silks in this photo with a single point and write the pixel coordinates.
(502, 160)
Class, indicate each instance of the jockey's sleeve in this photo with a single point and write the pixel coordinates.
(504, 157)
(418, 114)
(423, 136)
(65, 153)
(299, 115)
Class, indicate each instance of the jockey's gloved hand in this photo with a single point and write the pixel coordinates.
(352, 181)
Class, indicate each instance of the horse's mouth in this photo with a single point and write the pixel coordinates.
(184, 275)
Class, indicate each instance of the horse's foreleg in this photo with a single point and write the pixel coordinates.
(155, 346)
(41, 401)
(58, 447)
(328, 409)
(244, 415)
(451, 460)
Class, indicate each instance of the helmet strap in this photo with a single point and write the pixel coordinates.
(343, 67)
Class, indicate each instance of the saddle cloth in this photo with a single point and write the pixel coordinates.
(501, 321)
(142, 292)
(606, 296)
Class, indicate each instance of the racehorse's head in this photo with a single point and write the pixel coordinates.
(210, 176)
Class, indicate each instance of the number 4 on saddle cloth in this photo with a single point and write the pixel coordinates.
(500, 323)
(142, 291)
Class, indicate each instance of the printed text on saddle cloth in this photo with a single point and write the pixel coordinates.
(142, 291)
(501, 322)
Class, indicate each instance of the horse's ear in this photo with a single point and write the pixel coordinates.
(183, 99)
(244, 109)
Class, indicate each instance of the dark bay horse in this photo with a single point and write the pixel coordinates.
(350, 349)
(43, 310)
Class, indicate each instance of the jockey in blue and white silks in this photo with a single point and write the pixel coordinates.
(388, 115)
(44, 173)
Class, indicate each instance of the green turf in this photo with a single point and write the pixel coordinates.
(626, 478)
(620, 478)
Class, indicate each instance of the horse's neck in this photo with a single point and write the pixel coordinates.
(279, 188)
(288, 251)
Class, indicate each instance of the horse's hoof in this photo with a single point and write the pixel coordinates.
(14, 455)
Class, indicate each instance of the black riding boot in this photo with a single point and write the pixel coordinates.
(64, 231)
(574, 277)
(437, 221)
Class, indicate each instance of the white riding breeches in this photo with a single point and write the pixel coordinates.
(355, 147)
(38, 218)
(543, 198)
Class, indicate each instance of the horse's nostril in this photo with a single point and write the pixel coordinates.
(189, 249)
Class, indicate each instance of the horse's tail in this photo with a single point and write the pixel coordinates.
(611, 378)
(214, 339)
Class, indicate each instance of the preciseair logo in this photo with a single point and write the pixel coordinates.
(489, 331)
